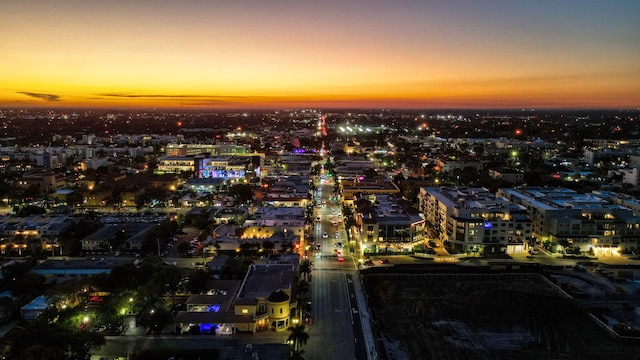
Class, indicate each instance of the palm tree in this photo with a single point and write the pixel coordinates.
(305, 268)
(296, 355)
(303, 287)
(298, 337)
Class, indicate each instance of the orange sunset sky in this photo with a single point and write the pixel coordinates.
(276, 53)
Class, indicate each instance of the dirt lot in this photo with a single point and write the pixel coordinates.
(484, 317)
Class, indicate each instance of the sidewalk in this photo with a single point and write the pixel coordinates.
(365, 318)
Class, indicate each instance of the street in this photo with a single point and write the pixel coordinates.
(332, 331)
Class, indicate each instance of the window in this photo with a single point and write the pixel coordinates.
(245, 311)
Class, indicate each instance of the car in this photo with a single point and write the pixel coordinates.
(338, 244)
(318, 247)
(385, 261)
(340, 258)
(368, 262)
(325, 235)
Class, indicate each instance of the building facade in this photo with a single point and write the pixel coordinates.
(586, 222)
(474, 220)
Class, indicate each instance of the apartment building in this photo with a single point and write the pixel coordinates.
(475, 220)
(590, 222)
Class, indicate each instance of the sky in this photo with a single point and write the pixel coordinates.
(327, 53)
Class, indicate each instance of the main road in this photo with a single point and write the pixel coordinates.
(335, 331)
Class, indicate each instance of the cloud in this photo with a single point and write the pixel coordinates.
(45, 97)
(168, 96)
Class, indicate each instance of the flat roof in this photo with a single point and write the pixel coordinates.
(263, 279)
(81, 264)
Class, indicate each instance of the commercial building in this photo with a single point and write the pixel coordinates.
(264, 301)
(176, 164)
(365, 188)
(386, 226)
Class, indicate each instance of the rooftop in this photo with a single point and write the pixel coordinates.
(262, 280)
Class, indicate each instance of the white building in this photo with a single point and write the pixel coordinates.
(474, 220)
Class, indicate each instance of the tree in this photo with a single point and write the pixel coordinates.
(298, 336)
(46, 340)
(183, 248)
(349, 218)
(31, 210)
(156, 319)
(198, 281)
(296, 355)
(118, 240)
(241, 192)
(305, 268)
(303, 287)
(268, 246)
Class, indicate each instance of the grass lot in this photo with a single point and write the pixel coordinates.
(492, 317)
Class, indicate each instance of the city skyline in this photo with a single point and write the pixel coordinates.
(407, 54)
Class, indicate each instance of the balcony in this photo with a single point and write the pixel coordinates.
(260, 316)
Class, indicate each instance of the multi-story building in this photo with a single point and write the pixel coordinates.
(474, 220)
(276, 223)
(41, 232)
(363, 188)
(45, 181)
(176, 164)
(111, 238)
(508, 175)
(447, 165)
(232, 168)
(198, 149)
(586, 221)
(290, 191)
(384, 226)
